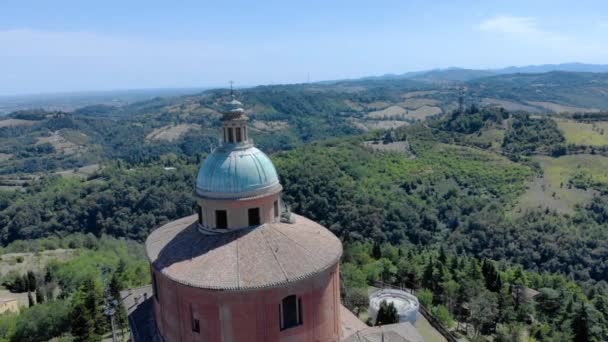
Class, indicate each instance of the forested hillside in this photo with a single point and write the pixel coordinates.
(282, 117)
(424, 185)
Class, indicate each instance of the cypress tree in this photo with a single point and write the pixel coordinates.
(442, 256)
(30, 299)
(580, 325)
(491, 276)
(39, 296)
(31, 281)
(427, 275)
(114, 288)
(376, 251)
(86, 315)
(387, 314)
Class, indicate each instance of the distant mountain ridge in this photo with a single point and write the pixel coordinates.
(456, 74)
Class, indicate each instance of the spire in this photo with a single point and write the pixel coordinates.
(233, 109)
(234, 121)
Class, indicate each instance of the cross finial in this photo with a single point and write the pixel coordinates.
(231, 90)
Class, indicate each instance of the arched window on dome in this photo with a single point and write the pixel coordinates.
(230, 135)
(254, 216)
(290, 312)
(239, 137)
(221, 219)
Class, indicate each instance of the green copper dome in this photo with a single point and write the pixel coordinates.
(232, 173)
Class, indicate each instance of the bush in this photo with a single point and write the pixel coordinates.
(356, 299)
(425, 297)
(443, 315)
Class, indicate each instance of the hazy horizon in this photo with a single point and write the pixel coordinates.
(69, 46)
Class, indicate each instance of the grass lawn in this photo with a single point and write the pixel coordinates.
(552, 190)
(579, 133)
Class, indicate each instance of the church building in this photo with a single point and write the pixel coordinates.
(243, 268)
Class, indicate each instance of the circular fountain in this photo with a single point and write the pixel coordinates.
(405, 303)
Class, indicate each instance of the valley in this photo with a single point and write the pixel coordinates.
(518, 182)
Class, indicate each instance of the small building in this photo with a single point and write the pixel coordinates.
(9, 305)
(406, 304)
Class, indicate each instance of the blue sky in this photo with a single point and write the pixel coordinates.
(56, 46)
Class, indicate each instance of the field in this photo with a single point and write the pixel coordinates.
(580, 133)
(414, 103)
(16, 122)
(508, 105)
(367, 125)
(31, 262)
(392, 111)
(81, 172)
(269, 126)
(397, 146)
(558, 108)
(60, 143)
(552, 189)
(492, 137)
(170, 132)
(420, 113)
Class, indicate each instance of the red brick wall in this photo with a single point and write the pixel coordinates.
(227, 316)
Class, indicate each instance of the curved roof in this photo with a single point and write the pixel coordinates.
(266, 256)
(237, 172)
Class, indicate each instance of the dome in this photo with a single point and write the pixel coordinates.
(233, 173)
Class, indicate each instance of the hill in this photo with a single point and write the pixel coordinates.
(282, 117)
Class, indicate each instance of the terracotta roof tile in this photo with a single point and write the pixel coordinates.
(265, 256)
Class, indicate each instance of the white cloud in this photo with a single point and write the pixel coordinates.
(522, 28)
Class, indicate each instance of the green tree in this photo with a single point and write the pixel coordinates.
(491, 276)
(425, 297)
(114, 288)
(86, 313)
(580, 325)
(39, 296)
(356, 299)
(548, 302)
(30, 300)
(450, 289)
(483, 311)
(443, 315)
(387, 314)
(428, 275)
(376, 251)
(31, 281)
(42, 322)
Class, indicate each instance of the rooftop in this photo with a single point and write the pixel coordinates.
(399, 332)
(265, 256)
